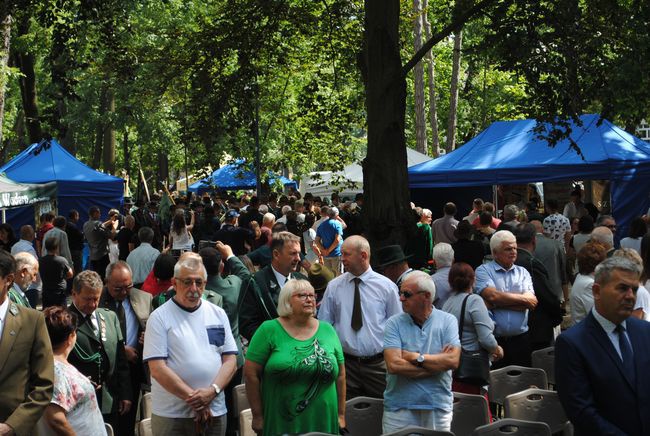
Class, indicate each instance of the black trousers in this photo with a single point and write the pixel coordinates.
(516, 351)
(99, 265)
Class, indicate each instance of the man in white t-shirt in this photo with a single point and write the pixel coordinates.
(191, 354)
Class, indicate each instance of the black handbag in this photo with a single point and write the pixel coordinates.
(474, 366)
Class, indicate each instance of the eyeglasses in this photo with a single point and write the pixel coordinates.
(188, 282)
(305, 297)
(123, 288)
(408, 294)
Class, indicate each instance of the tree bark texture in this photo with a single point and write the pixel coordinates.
(109, 134)
(431, 65)
(25, 62)
(5, 34)
(385, 180)
(418, 74)
(99, 132)
(453, 97)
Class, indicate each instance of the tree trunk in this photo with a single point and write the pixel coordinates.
(5, 34)
(453, 98)
(25, 62)
(386, 209)
(433, 107)
(163, 168)
(125, 151)
(109, 134)
(101, 125)
(418, 74)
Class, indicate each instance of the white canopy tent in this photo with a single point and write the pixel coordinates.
(348, 181)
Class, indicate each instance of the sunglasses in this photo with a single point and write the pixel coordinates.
(408, 294)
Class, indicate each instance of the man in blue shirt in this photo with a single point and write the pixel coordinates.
(329, 238)
(421, 348)
(508, 292)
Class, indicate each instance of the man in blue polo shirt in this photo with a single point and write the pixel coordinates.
(329, 238)
(508, 293)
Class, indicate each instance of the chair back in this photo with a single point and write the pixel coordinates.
(109, 430)
(363, 416)
(419, 431)
(144, 427)
(240, 400)
(512, 379)
(246, 423)
(545, 359)
(470, 411)
(513, 427)
(537, 405)
(145, 406)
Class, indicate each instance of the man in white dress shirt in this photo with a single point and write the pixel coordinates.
(358, 304)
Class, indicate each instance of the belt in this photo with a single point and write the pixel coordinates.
(364, 359)
(511, 337)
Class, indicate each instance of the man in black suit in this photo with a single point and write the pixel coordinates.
(259, 303)
(601, 362)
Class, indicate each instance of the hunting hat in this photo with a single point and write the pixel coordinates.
(319, 276)
(389, 255)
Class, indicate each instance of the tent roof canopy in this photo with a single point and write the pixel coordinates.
(510, 152)
(235, 176)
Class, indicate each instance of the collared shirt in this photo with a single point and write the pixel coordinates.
(23, 246)
(281, 278)
(131, 324)
(141, 261)
(443, 229)
(515, 280)
(4, 307)
(610, 328)
(443, 288)
(93, 319)
(379, 301)
(556, 225)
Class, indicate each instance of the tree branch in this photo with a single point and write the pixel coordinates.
(455, 25)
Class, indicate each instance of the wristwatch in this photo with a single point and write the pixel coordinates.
(419, 361)
(217, 389)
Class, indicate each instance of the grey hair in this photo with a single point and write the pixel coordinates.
(191, 261)
(268, 218)
(602, 218)
(510, 212)
(146, 234)
(263, 209)
(290, 288)
(499, 238)
(604, 269)
(24, 259)
(426, 212)
(423, 282)
(443, 254)
(87, 279)
(285, 209)
(119, 264)
(603, 235)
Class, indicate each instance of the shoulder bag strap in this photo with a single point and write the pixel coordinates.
(462, 319)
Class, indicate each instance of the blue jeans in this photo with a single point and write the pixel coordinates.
(435, 419)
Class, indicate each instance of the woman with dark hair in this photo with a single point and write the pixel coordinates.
(7, 237)
(73, 408)
(160, 279)
(478, 327)
(579, 239)
(638, 229)
(180, 236)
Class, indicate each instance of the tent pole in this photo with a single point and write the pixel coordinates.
(495, 199)
(4, 216)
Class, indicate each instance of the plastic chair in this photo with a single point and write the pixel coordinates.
(545, 359)
(513, 379)
(145, 406)
(537, 405)
(246, 423)
(239, 399)
(109, 430)
(419, 431)
(144, 427)
(363, 416)
(470, 412)
(513, 427)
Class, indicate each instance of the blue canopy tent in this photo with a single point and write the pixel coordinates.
(78, 185)
(509, 152)
(234, 176)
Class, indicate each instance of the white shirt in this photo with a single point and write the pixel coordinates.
(4, 307)
(379, 301)
(282, 280)
(643, 302)
(610, 330)
(581, 298)
(192, 344)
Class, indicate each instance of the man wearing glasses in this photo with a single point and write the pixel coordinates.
(132, 307)
(191, 354)
(421, 347)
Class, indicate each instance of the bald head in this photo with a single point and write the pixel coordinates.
(539, 227)
(355, 254)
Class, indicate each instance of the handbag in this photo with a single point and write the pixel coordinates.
(474, 366)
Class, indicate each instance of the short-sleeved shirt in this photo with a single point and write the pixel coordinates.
(53, 270)
(192, 343)
(125, 237)
(556, 225)
(515, 280)
(428, 393)
(74, 393)
(327, 232)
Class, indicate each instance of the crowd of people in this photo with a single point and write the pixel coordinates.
(281, 293)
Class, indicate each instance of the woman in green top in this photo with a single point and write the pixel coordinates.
(294, 370)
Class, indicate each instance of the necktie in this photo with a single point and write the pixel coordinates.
(89, 320)
(121, 317)
(357, 315)
(627, 355)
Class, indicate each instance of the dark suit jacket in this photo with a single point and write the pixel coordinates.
(258, 303)
(548, 312)
(595, 391)
(26, 369)
(115, 378)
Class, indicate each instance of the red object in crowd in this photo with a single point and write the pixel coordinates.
(155, 286)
